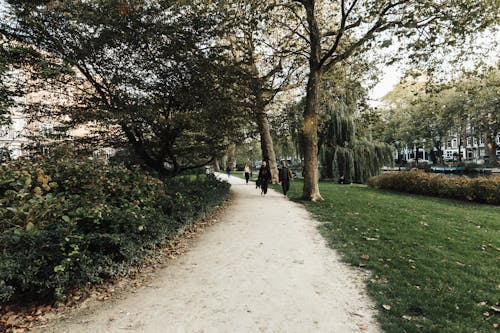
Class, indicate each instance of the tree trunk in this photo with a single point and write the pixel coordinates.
(310, 190)
(491, 149)
(416, 155)
(231, 153)
(216, 165)
(266, 142)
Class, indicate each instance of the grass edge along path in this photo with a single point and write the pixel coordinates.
(434, 262)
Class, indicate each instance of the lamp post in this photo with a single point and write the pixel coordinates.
(415, 149)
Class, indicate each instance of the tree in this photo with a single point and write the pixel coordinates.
(355, 26)
(267, 54)
(152, 73)
(483, 106)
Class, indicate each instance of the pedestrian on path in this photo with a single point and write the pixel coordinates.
(264, 177)
(247, 172)
(285, 177)
(228, 171)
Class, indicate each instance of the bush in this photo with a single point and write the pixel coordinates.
(70, 221)
(480, 189)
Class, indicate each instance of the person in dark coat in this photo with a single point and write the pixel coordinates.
(285, 177)
(264, 177)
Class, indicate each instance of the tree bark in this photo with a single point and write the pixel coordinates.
(310, 190)
(216, 165)
(266, 142)
(491, 148)
(231, 153)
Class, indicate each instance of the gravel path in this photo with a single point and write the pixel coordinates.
(262, 268)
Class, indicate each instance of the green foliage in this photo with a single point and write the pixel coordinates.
(369, 158)
(480, 189)
(65, 222)
(343, 163)
(429, 114)
(152, 74)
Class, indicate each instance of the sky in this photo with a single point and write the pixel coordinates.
(389, 79)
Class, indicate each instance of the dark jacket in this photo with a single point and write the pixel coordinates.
(285, 175)
(264, 174)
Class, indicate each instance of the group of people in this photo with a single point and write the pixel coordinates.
(264, 177)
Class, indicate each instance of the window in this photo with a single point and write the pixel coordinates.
(454, 143)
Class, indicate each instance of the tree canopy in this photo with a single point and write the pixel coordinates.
(150, 71)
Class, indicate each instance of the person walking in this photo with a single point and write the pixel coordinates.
(285, 177)
(264, 177)
(247, 172)
(228, 171)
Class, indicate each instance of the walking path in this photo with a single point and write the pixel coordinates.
(262, 268)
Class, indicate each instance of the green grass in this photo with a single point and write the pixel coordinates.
(435, 262)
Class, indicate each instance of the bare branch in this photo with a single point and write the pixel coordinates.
(328, 60)
(339, 35)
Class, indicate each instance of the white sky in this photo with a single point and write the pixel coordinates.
(390, 78)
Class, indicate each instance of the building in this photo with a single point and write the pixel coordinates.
(473, 150)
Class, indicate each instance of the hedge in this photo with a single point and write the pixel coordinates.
(71, 221)
(480, 189)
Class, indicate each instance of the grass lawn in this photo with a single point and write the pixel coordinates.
(435, 263)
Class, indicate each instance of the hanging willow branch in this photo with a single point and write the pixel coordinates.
(341, 155)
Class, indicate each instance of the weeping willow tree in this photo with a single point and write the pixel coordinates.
(356, 160)
(344, 152)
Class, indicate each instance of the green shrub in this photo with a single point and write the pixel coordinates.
(71, 221)
(480, 189)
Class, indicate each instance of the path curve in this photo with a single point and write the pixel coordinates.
(263, 267)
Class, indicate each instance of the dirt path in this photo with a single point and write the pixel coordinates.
(263, 268)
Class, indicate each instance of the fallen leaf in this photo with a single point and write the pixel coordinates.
(495, 308)
(386, 306)
(406, 317)
(362, 327)
(43, 309)
(12, 320)
(365, 257)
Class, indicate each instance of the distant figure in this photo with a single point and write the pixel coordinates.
(342, 180)
(264, 177)
(228, 171)
(285, 177)
(247, 172)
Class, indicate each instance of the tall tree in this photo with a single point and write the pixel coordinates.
(350, 27)
(268, 55)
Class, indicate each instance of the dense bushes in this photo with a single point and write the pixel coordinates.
(480, 189)
(71, 221)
